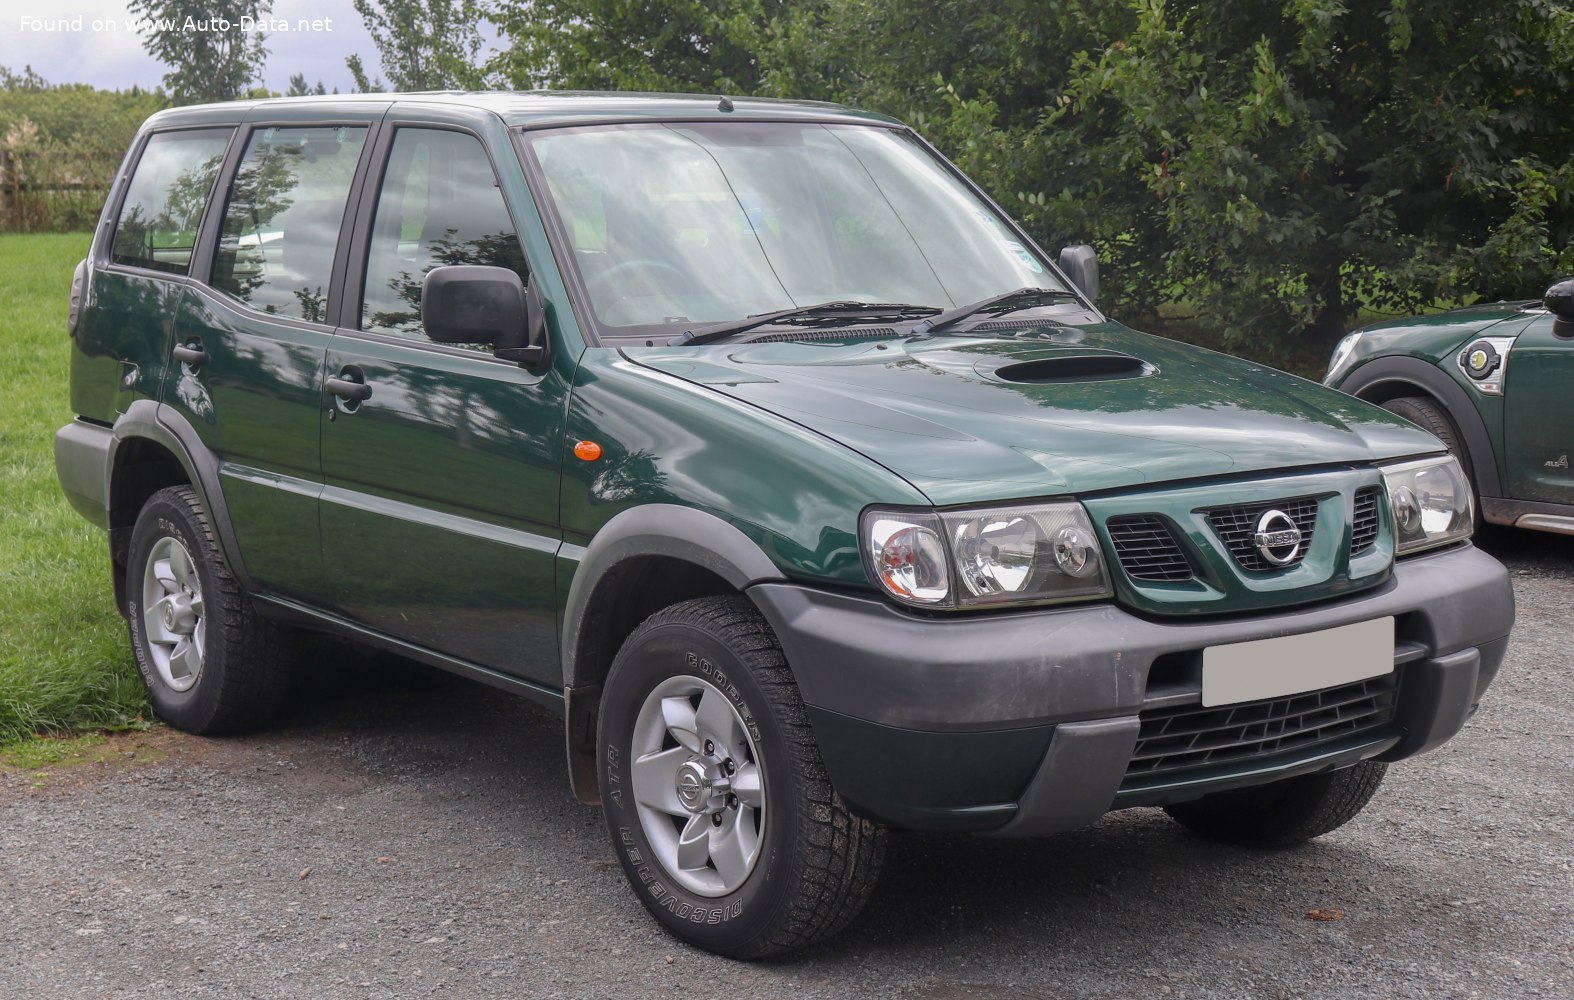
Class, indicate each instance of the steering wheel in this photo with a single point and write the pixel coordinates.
(596, 284)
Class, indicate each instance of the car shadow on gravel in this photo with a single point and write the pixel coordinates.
(1134, 886)
(1544, 553)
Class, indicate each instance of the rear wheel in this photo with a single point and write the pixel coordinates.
(211, 663)
(1285, 813)
(717, 801)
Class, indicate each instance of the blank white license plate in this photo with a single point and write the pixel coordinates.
(1293, 664)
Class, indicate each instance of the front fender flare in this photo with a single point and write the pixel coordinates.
(1378, 377)
(670, 530)
(665, 530)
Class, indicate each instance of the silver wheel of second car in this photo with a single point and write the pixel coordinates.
(698, 786)
(172, 613)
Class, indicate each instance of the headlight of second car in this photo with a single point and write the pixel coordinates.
(1431, 503)
(1031, 554)
(1344, 351)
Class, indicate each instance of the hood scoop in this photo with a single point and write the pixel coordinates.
(1069, 368)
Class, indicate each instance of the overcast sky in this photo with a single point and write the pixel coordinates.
(68, 50)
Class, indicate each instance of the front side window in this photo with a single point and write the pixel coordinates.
(439, 205)
(674, 225)
(281, 222)
(163, 207)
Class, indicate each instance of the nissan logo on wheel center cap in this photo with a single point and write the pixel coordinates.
(1277, 537)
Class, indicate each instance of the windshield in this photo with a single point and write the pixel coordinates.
(683, 224)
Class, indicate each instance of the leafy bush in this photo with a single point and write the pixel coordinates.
(59, 149)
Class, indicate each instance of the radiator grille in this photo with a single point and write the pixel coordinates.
(1147, 550)
(1237, 524)
(1190, 736)
(1363, 530)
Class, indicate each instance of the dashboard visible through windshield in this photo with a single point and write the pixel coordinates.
(680, 224)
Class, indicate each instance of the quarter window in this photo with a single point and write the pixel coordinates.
(281, 222)
(439, 204)
(163, 208)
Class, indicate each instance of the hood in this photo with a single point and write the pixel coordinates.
(1048, 411)
(1439, 335)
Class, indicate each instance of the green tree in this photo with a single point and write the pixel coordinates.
(206, 63)
(1281, 167)
(424, 44)
(64, 142)
(300, 88)
(28, 79)
(721, 46)
(1273, 168)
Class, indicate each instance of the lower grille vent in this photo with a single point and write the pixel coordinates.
(1190, 736)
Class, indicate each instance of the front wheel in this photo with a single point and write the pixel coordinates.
(717, 801)
(1284, 813)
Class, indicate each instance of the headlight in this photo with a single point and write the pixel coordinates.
(1341, 357)
(1034, 554)
(1431, 503)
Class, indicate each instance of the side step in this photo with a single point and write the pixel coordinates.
(1554, 517)
(1558, 523)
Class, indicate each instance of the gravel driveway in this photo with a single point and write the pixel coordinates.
(420, 840)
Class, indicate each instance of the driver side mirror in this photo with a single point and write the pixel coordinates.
(1559, 301)
(482, 304)
(1081, 265)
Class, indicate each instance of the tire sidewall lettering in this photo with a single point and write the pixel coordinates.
(670, 901)
(700, 666)
(161, 526)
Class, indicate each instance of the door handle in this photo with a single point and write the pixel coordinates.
(348, 390)
(191, 354)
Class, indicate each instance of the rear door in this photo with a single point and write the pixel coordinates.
(1538, 394)
(252, 336)
(143, 269)
(440, 508)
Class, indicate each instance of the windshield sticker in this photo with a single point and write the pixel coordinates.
(1025, 257)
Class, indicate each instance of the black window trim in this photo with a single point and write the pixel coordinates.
(239, 145)
(349, 314)
(104, 257)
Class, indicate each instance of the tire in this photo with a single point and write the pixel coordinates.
(814, 863)
(1285, 813)
(211, 663)
(1429, 415)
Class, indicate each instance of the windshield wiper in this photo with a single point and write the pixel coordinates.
(850, 311)
(995, 303)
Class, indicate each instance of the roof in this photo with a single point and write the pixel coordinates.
(531, 108)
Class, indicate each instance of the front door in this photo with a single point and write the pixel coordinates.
(1538, 438)
(440, 512)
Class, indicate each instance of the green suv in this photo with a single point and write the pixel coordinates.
(757, 443)
(1492, 382)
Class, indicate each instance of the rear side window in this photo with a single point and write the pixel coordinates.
(439, 205)
(164, 201)
(281, 221)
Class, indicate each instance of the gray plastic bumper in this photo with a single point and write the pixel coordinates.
(82, 462)
(1025, 722)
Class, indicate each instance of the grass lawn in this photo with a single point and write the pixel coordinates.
(65, 660)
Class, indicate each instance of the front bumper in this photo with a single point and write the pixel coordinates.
(1026, 723)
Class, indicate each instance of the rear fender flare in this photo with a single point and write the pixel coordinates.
(148, 420)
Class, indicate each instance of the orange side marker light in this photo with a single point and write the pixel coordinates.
(588, 451)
